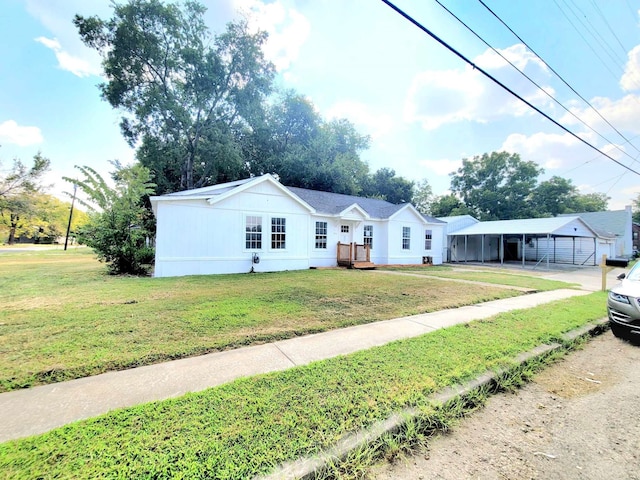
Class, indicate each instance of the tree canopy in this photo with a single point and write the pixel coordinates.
(496, 186)
(19, 189)
(185, 95)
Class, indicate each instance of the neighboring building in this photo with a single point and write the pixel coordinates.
(258, 224)
(635, 234)
(615, 222)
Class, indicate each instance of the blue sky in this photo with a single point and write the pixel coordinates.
(424, 108)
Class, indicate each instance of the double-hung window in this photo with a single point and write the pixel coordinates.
(406, 238)
(368, 235)
(321, 234)
(253, 232)
(428, 236)
(278, 233)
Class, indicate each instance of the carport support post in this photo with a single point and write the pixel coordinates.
(501, 249)
(465, 248)
(523, 247)
(554, 244)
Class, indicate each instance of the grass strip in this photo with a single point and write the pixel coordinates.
(63, 318)
(499, 278)
(248, 427)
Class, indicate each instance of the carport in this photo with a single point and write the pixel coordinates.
(542, 240)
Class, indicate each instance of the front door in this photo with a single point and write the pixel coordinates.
(345, 233)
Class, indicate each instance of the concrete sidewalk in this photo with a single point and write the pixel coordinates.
(39, 409)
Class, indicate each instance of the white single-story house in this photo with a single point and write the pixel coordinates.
(550, 240)
(260, 225)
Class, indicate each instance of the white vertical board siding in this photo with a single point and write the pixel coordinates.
(412, 256)
(195, 237)
(563, 250)
(321, 257)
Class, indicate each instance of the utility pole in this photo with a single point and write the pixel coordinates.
(66, 240)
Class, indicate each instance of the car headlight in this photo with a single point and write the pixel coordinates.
(619, 298)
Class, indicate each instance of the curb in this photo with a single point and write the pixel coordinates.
(308, 468)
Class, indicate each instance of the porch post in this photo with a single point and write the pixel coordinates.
(501, 249)
(595, 250)
(483, 248)
(465, 248)
(554, 248)
(573, 240)
(523, 248)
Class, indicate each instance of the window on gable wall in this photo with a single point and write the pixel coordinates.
(406, 238)
(253, 232)
(321, 234)
(278, 233)
(368, 235)
(428, 236)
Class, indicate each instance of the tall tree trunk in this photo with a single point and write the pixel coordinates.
(12, 229)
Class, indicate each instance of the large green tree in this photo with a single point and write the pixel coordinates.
(385, 184)
(496, 186)
(118, 226)
(187, 97)
(423, 196)
(448, 206)
(19, 188)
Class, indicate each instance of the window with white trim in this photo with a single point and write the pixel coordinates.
(321, 234)
(406, 238)
(428, 236)
(253, 232)
(278, 233)
(368, 235)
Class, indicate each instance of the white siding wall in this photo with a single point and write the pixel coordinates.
(414, 255)
(563, 250)
(197, 238)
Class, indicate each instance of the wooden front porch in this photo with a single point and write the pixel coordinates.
(355, 255)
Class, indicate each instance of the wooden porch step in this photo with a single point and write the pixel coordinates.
(364, 265)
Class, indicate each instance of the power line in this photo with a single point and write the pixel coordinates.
(495, 80)
(533, 81)
(558, 75)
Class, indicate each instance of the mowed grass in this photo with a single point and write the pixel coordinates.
(247, 427)
(64, 318)
(499, 278)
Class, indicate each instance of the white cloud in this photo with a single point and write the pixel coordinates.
(436, 98)
(288, 29)
(66, 61)
(375, 124)
(623, 113)
(11, 132)
(630, 80)
(441, 167)
(550, 150)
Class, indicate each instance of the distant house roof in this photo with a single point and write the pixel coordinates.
(609, 223)
(527, 226)
(322, 202)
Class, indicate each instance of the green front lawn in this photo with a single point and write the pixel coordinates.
(247, 427)
(64, 318)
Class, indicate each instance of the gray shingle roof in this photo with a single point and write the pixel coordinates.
(334, 203)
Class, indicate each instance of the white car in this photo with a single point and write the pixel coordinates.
(623, 306)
